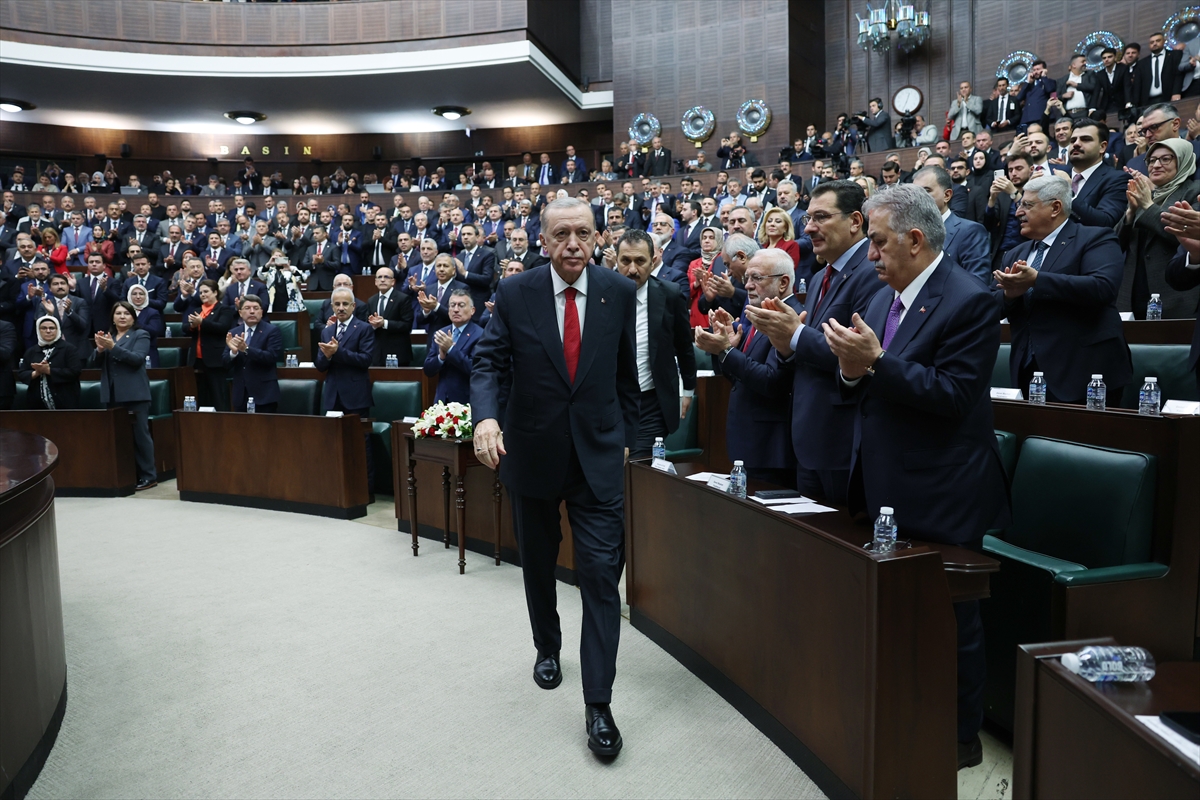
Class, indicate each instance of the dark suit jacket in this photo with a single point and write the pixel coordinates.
(439, 317)
(396, 338)
(1182, 279)
(1143, 78)
(360, 312)
(76, 324)
(257, 288)
(347, 378)
(10, 349)
(254, 372)
(156, 290)
(1149, 250)
(756, 427)
(65, 365)
(1070, 317)
(967, 244)
(924, 438)
(658, 162)
(822, 425)
(211, 333)
(879, 132)
(1034, 97)
(454, 374)
(222, 261)
(671, 353)
(549, 415)
(99, 305)
(991, 114)
(545, 173)
(123, 369)
(1111, 96)
(481, 270)
(352, 250)
(1101, 202)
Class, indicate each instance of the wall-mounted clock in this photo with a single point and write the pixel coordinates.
(907, 100)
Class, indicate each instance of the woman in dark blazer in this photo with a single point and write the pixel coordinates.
(121, 358)
(148, 319)
(207, 322)
(51, 369)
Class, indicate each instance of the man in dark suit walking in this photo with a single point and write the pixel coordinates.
(562, 341)
(253, 348)
(1060, 296)
(390, 314)
(664, 343)
(918, 363)
(449, 358)
(822, 429)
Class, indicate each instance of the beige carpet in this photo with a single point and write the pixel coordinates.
(223, 652)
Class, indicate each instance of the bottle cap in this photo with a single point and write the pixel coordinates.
(1038, 374)
(1151, 379)
(1071, 661)
(1153, 296)
(1097, 377)
(657, 439)
(737, 463)
(886, 510)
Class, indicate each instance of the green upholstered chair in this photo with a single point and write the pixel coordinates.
(1008, 451)
(291, 344)
(1168, 363)
(160, 399)
(684, 443)
(703, 359)
(314, 313)
(298, 396)
(420, 351)
(89, 394)
(1000, 376)
(169, 357)
(393, 400)
(20, 399)
(1081, 515)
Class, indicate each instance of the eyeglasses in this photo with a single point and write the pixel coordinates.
(1146, 126)
(1028, 204)
(1164, 160)
(819, 219)
(756, 278)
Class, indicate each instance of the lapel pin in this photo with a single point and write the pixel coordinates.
(602, 301)
(922, 309)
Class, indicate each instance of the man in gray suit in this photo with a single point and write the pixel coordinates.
(1189, 65)
(966, 111)
(967, 243)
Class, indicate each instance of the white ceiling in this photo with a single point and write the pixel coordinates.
(505, 85)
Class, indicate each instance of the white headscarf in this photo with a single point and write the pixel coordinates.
(129, 297)
(37, 327)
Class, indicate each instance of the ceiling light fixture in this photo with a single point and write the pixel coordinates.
(14, 106)
(451, 112)
(245, 117)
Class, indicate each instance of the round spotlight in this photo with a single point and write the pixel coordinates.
(451, 112)
(14, 106)
(245, 117)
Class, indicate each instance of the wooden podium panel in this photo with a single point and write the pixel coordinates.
(846, 660)
(283, 462)
(95, 448)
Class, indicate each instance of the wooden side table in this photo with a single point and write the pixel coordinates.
(455, 456)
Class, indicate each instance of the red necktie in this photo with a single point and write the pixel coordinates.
(749, 339)
(825, 283)
(571, 338)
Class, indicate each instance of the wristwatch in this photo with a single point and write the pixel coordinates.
(871, 369)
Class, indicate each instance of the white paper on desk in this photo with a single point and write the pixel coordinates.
(705, 373)
(802, 508)
(782, 501)
(207, 408)
(700, 476)
(718, 482)
(409, 420)
(306, 364)
(999, 393)
(1186, 407)
(1126, 316)
(335, 413)
(1151, 721)
(662, 465)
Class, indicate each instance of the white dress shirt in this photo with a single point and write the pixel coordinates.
(642, 337)
(838, 265)
(387, 298)
(560, 299)
(1087, 173)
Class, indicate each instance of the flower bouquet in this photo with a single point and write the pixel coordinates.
(444, 421)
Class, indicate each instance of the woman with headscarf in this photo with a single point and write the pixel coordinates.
(711, 239)
(100, 243)
(51, 368)
(146, 318)
(980, 176)
(121, 358)
(1148, 247)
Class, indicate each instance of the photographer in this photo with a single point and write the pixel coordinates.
(877, 124)
(733, 154)
(845, 136)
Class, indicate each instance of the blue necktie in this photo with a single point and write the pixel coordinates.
(454, 336)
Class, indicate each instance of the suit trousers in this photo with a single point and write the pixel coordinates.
(143, 445)
(598, 532)
(825, 485)
(651, 425)
(972, 669)
(212, 386)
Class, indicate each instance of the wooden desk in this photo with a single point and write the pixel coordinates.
(712, 404)
(95, 448)
(181, 382)
(33, 661)
(481, 509)
(845, 659)
(307, 464)
(1077, 739)
(455, 457)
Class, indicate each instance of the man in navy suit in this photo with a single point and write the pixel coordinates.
(561, 346)
(345, 352)
(421, 275)
(918, 363)
(75, 237)
(545, 172)
(822, 424)
(432, 301)
(348, 245)
(1035, 94)
(156, 287)
(454, 345)
(756, 427)
(580, 165)
(1098, 189)
(253, 348)
(243, 283)
(93, 288)
(216, 256)
(476, 267)
(1060, 296)
(688, 234)
(967, 243)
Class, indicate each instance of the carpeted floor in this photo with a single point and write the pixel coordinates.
(224, 652)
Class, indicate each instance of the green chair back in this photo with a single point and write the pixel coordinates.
(314, 313)
(1089, 505)
(684, 443)
(703, 359)
(19, 400)
(287, 331)
(396, 400)
(1000, 376)
(160, 398)
(1168, 363)
(1008, 451)
(298, 396)
(89, 394)
(420, 351)
(169, 357)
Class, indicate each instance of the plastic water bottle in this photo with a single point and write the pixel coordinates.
(393, 360)
(660, 448)
(1097, 393)
(189, 403)
(292, 360)
(1103, 664)
(366, 271)
(737, 480)
(1149, 398)
(148, 363)
(170, 332)
(1154, 309)
(249, 405)
(885, 530)
(802, 287)
(1037, 390)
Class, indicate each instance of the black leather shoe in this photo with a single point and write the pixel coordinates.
(970, 754)
(546, 671)
(603, 737)
(145, 485)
